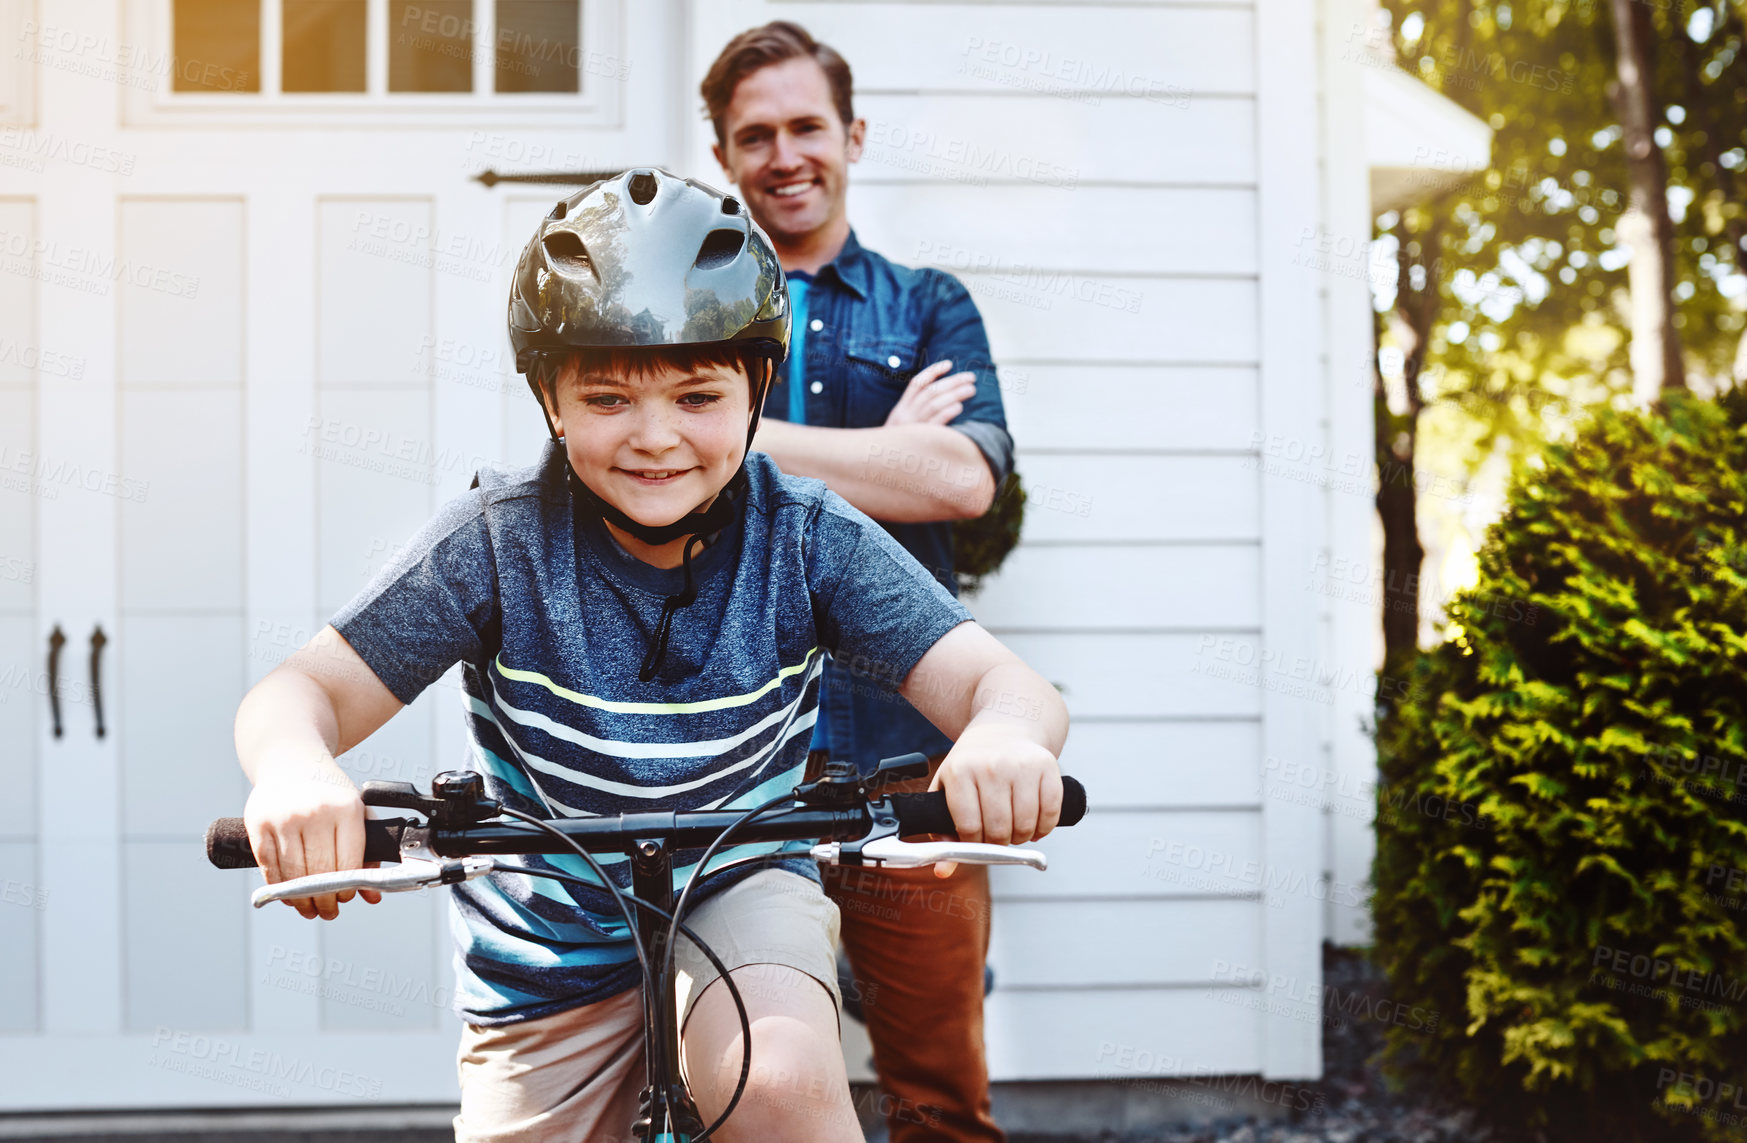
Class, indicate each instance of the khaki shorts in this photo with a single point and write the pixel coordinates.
(575, 1075)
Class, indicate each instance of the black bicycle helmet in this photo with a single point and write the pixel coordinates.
(649, 260)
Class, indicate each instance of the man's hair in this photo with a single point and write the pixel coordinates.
(761, 47)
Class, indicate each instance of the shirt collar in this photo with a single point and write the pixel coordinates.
(850, 266)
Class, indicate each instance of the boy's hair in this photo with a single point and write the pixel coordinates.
(761, 47)
(638, 362)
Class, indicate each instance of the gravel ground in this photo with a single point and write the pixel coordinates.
(1356, 1106)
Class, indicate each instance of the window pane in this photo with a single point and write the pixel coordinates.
(430, 47)
(538, 45)
(217, 45)
(324, 45)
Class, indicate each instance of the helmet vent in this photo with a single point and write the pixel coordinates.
(642, 188)
(720, 248)
(730, 205)
(559, 211)
(564, 249)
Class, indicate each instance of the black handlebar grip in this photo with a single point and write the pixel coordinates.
(227, 842)
(928, 813)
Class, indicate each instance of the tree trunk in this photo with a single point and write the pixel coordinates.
(1714, 129)
(1645, 227)
(1396, 439)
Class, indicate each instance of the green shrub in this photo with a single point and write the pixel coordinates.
(1581, 924)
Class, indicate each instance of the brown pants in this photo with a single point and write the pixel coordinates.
(917, 943)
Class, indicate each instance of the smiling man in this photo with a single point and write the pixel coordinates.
(890, 398)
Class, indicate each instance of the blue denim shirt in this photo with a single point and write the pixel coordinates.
(871, 326)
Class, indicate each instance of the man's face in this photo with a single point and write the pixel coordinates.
(658, 445)
(787, 150)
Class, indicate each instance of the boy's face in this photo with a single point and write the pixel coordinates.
(787, 151)
(658, 445)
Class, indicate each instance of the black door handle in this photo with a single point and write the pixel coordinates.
(98, 639)
(56, 642)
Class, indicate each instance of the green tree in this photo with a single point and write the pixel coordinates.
(1513, 300)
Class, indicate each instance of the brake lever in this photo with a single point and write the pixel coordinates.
(411, 873)
(896, 854)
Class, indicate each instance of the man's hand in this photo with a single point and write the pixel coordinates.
(932, 397)
(1002, 788)
(308, 822)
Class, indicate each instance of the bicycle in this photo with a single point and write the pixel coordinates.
(854, 821)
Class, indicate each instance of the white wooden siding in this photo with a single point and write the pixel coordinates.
(1098, 50)
(1175, 764)
(1114, 588)
(1177, 321)
(1057, 145)
(1120, 229)
(1292, 523)
(1145, 944)
(210, 397)
(1130, 254)
(1128, 1035)
(1157, 408)
(21, 660)
(1118, 251)
(1355, 632)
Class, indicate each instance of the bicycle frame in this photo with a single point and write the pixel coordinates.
(855, 824)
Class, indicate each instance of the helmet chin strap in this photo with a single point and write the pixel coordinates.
(697, 525)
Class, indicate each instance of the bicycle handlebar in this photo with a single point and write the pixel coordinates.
(227, 839)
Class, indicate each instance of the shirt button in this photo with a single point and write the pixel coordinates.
(817, 387)
(893, 361)
(815, 325)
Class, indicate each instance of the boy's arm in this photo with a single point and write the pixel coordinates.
(1008, 725)
(305, 815)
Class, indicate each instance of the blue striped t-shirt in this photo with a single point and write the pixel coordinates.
(551, 625)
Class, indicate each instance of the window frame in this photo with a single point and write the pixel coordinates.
(602, 78)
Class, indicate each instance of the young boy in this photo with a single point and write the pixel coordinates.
(641, 619)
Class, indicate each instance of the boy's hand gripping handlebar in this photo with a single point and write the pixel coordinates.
(858, 827)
